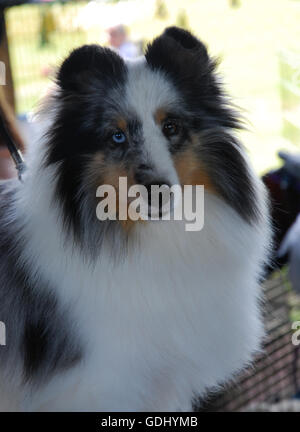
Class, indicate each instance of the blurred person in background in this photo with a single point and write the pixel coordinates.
(119, 42)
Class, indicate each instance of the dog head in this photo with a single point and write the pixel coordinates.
(163, 119)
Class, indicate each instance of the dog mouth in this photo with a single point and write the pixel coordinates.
(156, 200)
(140, 202)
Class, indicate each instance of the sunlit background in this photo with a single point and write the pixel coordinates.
(257, 41)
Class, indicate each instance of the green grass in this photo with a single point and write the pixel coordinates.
(248, 39)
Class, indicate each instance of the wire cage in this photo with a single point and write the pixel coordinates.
(275, 376)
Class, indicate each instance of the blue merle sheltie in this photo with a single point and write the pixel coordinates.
(121, 315)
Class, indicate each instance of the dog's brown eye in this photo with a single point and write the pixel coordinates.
(170, 128)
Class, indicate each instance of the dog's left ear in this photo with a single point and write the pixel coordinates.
(184, 59)
(179, 49)
(186, 40)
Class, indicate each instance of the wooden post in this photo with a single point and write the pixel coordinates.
(8, 88)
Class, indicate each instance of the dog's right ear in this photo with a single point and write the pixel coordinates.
(177, 49)
(88, 63)
(186, 40)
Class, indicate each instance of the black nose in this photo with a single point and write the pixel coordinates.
(157, 201)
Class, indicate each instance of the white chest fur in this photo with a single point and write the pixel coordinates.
(179, 315)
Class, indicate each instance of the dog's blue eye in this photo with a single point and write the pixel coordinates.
(119, 137)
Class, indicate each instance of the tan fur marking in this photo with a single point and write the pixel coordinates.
(102, 173)
(191, 172)
(122, 124)
(160, 116)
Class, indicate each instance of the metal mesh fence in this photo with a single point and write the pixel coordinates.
(276, 373)
(39, 37)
